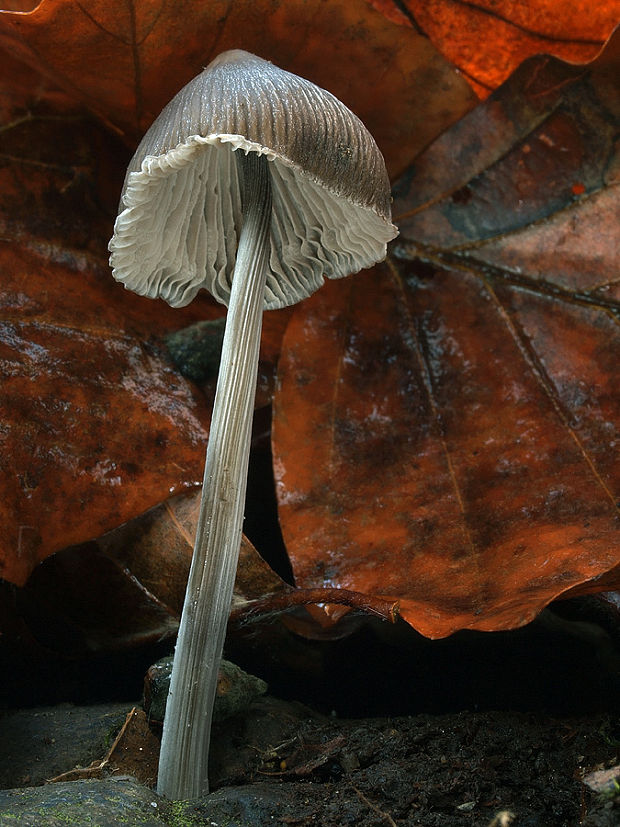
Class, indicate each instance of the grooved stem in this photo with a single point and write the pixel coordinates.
(183, 763)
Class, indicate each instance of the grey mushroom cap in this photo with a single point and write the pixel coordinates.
(180, 213)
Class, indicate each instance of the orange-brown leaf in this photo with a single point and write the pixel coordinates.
(488, 39)
(446, 428)
(156, 549)
(125, 62)
(420, 455)
(96, 425)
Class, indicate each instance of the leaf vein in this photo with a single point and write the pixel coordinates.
(546, 385)
(477, 600)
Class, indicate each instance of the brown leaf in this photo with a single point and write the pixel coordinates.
(156, 550)
(80, 602)
(27, 92)
(488, 39)
(126, 62)
(135, 750)
(444, 428)
(126, 589)
(604, 781)
(548, 152)
(89, 410)
(97, 425)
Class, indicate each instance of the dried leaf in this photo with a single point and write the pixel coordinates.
(604, 781)
(89, 410)
(126, 62)
(96, 425)
(126, 589)
(445, 427)
(535, 158)
(156, 550)
(28, 92)
(135, 750)
(488, 39)
(80, 602)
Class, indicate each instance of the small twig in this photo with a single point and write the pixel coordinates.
(374, 807)
(95, 768)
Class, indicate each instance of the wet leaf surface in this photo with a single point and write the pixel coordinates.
(126, 589)
(487, 39)
(446, 427)
(97, 424)
(112, 59)
(80, 382)
(480, 359)
(91, 405)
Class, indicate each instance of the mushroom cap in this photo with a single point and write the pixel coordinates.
(180, 212)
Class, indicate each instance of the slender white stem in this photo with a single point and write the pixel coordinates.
(183, 762)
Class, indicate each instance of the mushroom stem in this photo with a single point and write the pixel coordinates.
(183, 763)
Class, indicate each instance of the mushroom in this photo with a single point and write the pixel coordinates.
(253, 184)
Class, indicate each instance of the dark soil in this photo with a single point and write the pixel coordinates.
(281, 763)
(492, 729)
(458, 769)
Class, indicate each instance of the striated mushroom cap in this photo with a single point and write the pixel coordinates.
(180, 211)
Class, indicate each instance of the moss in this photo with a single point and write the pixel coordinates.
(88, 802)
(179, 814)
(110, 735)
(58, 814)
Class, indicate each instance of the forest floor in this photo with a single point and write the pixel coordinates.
(539, 747)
